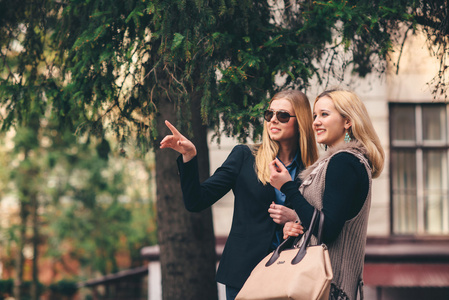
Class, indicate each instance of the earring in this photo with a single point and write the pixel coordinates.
(347, 138)
(325, 147)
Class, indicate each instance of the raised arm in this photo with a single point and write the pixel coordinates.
(179, 143)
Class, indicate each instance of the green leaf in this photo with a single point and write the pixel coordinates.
(177, 41)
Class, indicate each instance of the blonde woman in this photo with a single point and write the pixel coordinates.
(260, 211)
(338, 184)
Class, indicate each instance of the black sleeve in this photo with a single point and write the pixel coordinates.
(298, 202)
(345, 191)
(200, 196)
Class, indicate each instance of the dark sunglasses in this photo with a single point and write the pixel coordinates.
(282, 115)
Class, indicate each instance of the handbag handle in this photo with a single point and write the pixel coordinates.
(277, 252)
(315, 221)
(288, 242)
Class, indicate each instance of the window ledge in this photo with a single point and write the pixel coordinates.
(407, 249)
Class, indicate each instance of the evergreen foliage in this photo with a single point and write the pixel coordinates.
(114, 59)
(122, 56)
(64, 288)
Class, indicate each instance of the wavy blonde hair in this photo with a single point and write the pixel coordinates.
(352, 108)
(268, 149)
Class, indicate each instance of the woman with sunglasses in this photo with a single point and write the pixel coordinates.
(260, 211)
(338, 184)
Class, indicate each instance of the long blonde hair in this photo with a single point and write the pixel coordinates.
(352, 108)
(268, 149)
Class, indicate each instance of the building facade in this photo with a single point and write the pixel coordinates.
(407, 255)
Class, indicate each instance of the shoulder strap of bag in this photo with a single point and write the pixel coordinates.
(320, 226)
(303, 250)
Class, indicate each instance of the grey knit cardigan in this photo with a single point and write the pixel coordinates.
(347, 252)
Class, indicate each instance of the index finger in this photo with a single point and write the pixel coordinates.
(272, 166)
(279, 164)
(172, 128)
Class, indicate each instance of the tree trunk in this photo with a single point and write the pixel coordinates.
(186, 240)
(20, 260)
(35, 241)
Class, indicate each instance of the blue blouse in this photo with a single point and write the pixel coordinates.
(280, 199)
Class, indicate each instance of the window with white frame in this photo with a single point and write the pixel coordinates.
(419, 140)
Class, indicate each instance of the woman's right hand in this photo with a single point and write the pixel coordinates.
(179, 143)
(292, 229)
(278, 174)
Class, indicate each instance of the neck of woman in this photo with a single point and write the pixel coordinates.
(287, 153)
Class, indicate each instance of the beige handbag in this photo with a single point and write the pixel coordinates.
(292, 273)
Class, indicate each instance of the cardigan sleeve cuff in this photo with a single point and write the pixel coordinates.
(289, 188)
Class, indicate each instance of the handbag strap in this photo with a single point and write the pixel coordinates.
(277, 252)
(317, 219)
(292, 240)
(320, 226)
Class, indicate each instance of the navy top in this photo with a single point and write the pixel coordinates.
(252, 227)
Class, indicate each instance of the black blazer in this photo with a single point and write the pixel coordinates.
(252, 228)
